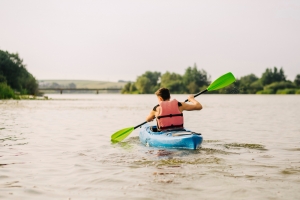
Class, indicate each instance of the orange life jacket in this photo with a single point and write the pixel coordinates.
(169, 116)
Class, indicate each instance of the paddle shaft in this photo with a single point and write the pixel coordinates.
(184, 101)
(197, 94)
(140, 124)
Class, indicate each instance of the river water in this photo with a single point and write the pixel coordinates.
(61, 149)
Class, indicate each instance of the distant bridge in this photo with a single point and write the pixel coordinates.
(81, 89)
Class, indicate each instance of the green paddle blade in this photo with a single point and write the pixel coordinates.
(221, 82)
(121, 134)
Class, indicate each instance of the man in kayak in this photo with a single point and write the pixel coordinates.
(168, 113)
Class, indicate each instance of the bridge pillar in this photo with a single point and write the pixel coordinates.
(60, 91)
(97, 91)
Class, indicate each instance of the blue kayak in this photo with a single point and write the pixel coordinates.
(183, 138)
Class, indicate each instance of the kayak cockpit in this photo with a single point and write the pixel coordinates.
(175, 132)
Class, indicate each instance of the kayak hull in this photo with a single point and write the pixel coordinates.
(184, 139)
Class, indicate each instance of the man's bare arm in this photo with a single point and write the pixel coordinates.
(193, 105)
(151, 116)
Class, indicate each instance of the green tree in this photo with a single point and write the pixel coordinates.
(129, 88)
(143, 85)
(255, 87)
(152, 76)
(246, 84)
(173, 82)
(192, 87)
(126, 88)
(193, 79)
(297, 80)
(270, 76)
(2, 79)
(16, 74)
(147, 83)
(133, 88)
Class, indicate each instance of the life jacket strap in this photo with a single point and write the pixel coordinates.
(170, 115)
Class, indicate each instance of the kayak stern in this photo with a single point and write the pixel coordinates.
(184, 139)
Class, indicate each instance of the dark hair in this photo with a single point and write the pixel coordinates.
(163, 93)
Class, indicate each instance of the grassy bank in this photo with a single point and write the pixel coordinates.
(80, 84)
(7, 93)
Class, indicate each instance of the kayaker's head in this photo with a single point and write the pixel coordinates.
(163, 94)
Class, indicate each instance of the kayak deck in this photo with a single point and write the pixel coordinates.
(183, 138)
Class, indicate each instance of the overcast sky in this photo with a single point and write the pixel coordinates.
(112, 40)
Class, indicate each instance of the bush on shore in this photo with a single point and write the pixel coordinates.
(280, 86)
(286, 91)
(6, 92)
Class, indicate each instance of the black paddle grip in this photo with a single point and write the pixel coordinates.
(197, 94)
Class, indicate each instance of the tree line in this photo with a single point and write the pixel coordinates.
(14, 77)
(272, 81)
